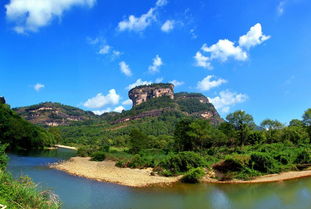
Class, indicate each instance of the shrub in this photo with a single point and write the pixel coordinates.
(304, 157)
(182, 162)
(84, 151)
(193, 176)
(232, 163)
(263, 162)
(98, 156)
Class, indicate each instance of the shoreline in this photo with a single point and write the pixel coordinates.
(65, 147)
(106, 171)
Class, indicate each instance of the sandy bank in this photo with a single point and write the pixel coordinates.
(65, 147)
(107, 171)
(285, 176)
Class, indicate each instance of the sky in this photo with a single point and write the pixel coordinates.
(243, 55)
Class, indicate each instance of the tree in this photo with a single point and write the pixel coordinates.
(269, 124)
(296, 122)
(198, 134)
(306, 118)
(138, 141)
(243, 123)
(272, 127)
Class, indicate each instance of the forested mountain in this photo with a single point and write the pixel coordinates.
(53, 114)
(21, 134)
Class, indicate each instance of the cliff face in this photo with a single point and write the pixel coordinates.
(2, 100)
(53, 114)
(144, 93)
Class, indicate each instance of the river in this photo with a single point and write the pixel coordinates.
(81, 193)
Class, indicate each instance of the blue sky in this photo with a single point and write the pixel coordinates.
(250, 55)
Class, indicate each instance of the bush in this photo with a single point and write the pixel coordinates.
(98, 156)
(193, 176)
(263, 162)
(85, 151)
(232, 163)
(304, 157)
(182, 162)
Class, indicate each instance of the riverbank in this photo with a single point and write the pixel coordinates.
(106, 171)
(65, 147)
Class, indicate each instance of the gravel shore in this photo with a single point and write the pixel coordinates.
(106, 171)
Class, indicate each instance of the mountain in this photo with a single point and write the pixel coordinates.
(149, 101)
(18, 133)
(157, 99)
(54, 114)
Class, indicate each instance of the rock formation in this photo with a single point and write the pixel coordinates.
(2, 100)
(144, 93)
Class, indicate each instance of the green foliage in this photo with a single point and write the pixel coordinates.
(23, 193)
(256, 137)
(243, 123)
(98, 156)
(195, 135)
(304, 157)
(20, 134)
(295, 134)
(138, 141)
(85, 151)
(3, 157)
(263, 162)
(193, 176)
(193, 105)
(182, 162)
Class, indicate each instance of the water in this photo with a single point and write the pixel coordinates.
(80, 193)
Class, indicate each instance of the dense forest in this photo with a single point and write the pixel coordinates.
(236, 148)
(21, 134)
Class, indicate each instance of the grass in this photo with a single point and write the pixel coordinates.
(23, 194)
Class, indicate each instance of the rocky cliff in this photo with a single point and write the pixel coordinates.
(158, 99)
(144, 93)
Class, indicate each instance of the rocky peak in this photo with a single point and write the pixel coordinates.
(144, 93)
(2, 100)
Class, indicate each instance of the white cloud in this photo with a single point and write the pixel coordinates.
(38, 86)
(30, 15)
(118, 109)
(157, 63)
(139, 82)
(176, 83)
(100, 100)
(105, 49)
(116, 53)
(161, 3)
(125, 69)
(127, 102)
(207, 83)
(158, 80)
(138, 24)
(226, 99)
(100, 112)
(202, 61)
(168, 26)
(253, 37)
(225, 49)
(280, 8)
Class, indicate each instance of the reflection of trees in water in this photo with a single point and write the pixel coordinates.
(289, 194)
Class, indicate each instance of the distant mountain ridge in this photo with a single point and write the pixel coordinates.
(155, 100)
(54, 114)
